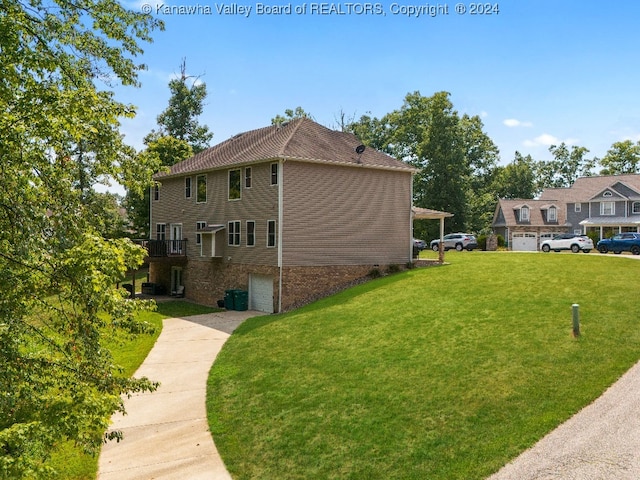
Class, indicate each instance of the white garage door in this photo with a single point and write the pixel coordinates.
(524, 242)
(261, 293)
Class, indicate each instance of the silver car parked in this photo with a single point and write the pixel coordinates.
(459, 241)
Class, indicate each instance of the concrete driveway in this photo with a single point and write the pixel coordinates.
(166, 434)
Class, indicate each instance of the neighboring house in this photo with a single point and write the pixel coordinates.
(288, 212)
(603, 204)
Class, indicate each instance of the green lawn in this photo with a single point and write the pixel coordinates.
(438, 373)
(70, 462)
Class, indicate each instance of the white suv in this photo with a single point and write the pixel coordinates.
(459, 241)
(568, 241)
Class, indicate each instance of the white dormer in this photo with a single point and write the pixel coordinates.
(552, 212)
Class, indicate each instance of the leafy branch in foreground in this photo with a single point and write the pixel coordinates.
(59, 136)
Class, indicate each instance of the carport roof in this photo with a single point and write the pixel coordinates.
(429, 214)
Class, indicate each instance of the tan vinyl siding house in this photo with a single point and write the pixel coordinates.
(289, 213)
(344, 216)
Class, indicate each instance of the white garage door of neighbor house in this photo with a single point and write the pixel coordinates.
(524, 242)
(261, 293)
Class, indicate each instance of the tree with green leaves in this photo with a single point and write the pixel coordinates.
(373, 132)
(442, 180)
(567, 165)
(165, 151)
(454, 157)
(180, 118)
(516, 179)
(290, 115)
(179, 136)
(109, 216)
(59, 135)
(622, 158)
(482, 156)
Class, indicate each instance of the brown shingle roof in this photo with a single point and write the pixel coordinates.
(535, 212)
(585, 188)
(300, 139)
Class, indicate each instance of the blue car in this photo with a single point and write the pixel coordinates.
(622, 242)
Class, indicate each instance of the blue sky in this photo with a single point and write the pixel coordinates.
(538, 72)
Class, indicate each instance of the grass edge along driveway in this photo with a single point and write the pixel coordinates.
(439, 373)
(69, 461)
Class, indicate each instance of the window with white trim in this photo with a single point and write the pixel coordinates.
(247, 177)
(251, 233)
(274, 174)
(200, 226)
(187, 187)
(271, 233)
(635, 207)
(201, 189)
(161, 231)
(234, 233)
(577, 207)
(607, 208)
(524, 214)
(234, 185)
(552, 214)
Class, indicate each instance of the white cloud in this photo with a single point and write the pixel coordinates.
(633, 138)
(546, 140)
(484, 114)
(512, 122)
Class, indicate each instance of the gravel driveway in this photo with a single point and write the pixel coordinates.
(602, 441)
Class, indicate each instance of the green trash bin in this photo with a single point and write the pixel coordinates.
(229, 296)
(241, 300)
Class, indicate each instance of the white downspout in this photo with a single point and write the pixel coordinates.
(280, 219)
